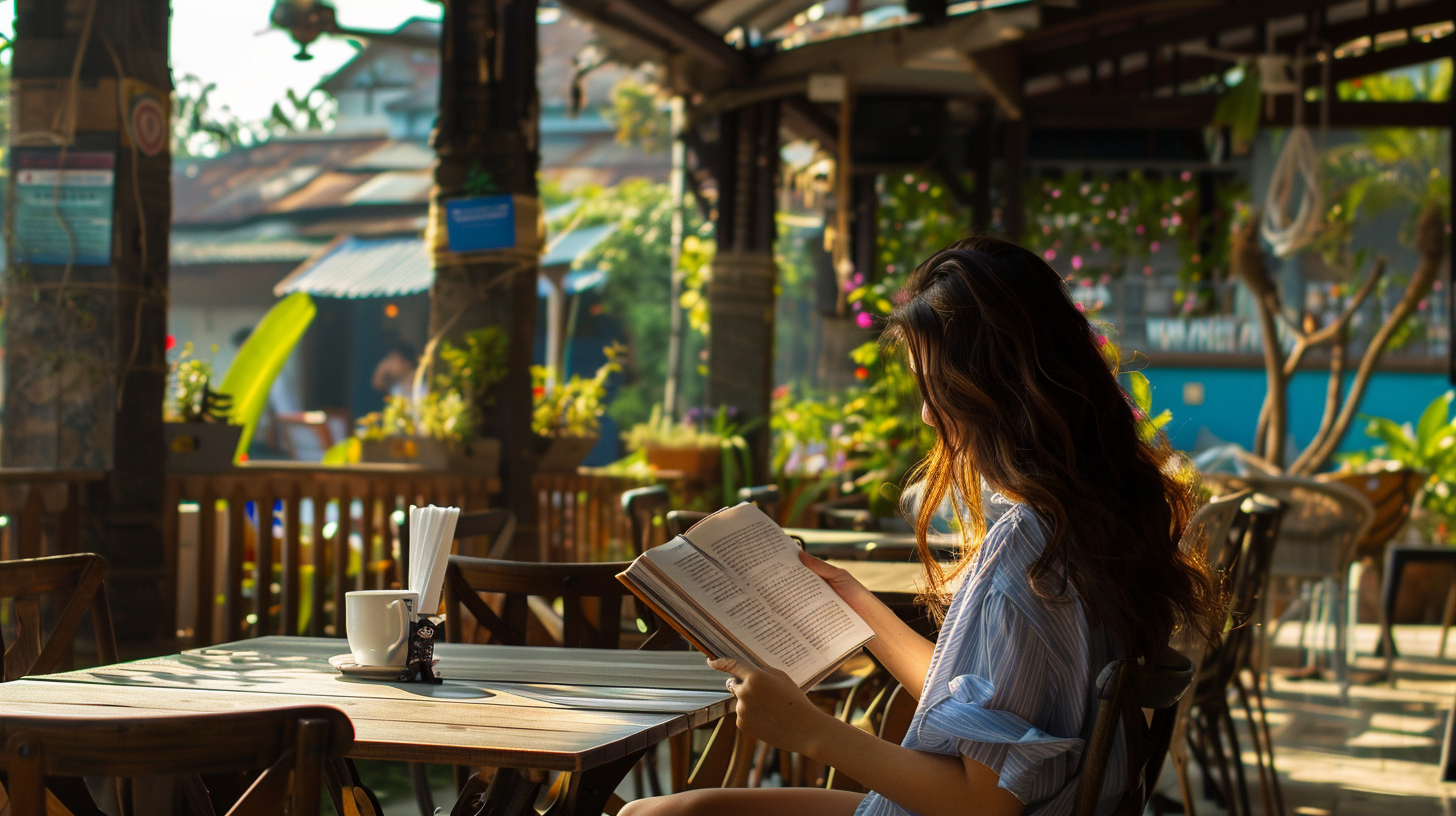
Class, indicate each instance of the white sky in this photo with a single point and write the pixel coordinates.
(220, 41)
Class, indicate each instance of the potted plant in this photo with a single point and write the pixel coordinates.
(198, 436)
(437, 429)
(567, 416)
(707, 445)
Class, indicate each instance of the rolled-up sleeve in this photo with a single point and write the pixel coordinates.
(1001, 691)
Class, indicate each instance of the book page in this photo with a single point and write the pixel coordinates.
(764, 561)
(744, 615)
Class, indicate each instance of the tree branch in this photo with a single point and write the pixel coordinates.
(1333, 392)
(1431, 242)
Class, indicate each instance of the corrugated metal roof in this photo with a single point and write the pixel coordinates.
(364, 267)
(391, 267)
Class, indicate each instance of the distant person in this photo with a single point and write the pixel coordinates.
(1071, 561)
(395, 373)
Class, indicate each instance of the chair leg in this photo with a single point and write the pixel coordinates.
(1266, 788)
(1185, 785)
(1224, 786)
(420, 781)
(1447, 614)
(1258, 692)
(1237, 760)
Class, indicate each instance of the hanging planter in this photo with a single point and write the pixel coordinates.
(694, 462)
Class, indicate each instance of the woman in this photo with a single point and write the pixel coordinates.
(1071, 560)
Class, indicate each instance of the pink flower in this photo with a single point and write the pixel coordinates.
(1050, 254)
(1056, 193)
(858, 279)
(1101, 341)
(1105, 279)
(1187, 176)
(1154, 246)
(1096, 246)
(864, 320)
(1138, 229)
(1081, 307)
(1076, 261)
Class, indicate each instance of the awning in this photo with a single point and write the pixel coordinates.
(390, 267)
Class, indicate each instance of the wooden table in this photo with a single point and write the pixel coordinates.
(591, 712)
(886, 578)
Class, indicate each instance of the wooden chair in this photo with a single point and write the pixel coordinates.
(1125, 688)
(480, 534)
(591, 601)
(766, 497)
(679, 521)
(293, 747)
(644, 507)
(75, 585)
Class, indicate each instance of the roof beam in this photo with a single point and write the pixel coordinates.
(664, 22)
(1139, 39)
(1386, 59)
(1197, 111)
(1395, 20)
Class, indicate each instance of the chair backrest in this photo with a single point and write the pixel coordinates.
(480, 533)
(765, 496)
(680, 521)
(1392, 493)
(644, 506)
(290, 745)
(845, 513)
(1321, 525)
(1243, 572)
(590, 595)
(1207, 532)
(1125, 688)
(75, 584)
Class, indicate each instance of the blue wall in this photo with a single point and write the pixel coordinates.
(1232, 396)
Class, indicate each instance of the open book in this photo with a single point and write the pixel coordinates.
(733, 586)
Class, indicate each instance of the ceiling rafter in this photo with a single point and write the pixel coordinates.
(1193, 26)
(664, 23)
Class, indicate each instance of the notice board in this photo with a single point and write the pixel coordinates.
(63, 205)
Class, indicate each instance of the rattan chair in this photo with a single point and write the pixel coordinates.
(1319, 532)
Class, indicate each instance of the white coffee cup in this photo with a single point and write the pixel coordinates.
(379, 623)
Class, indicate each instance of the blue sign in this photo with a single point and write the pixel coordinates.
(479, 224)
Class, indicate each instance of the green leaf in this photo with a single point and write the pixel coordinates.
(1393, 435)
(1141, 391)
(262, 356)
(1435, 420)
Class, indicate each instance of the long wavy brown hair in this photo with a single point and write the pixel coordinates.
(1017, 386)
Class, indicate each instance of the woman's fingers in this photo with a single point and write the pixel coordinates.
(728, 665)
(819, 568)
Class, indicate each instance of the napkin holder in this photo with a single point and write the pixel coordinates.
(419, 664)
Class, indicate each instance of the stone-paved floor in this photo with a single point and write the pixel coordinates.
(1375, 753)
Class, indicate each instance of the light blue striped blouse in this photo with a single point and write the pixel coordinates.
(1012, 680)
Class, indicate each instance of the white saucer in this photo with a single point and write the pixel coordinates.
(346, 666)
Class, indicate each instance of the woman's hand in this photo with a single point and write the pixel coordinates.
(773, 709)
(846, 586)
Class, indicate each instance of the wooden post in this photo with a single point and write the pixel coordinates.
(486, 143)
(85, 362)
(741, 292)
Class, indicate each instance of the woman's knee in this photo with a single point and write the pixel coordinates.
(706, 802)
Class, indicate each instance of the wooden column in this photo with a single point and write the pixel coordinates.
(85, 327)
(486, 143)
(1013, 174)
(741, 292)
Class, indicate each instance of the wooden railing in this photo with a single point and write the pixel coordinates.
(579, 515)
(272, 548)
(43, 510)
